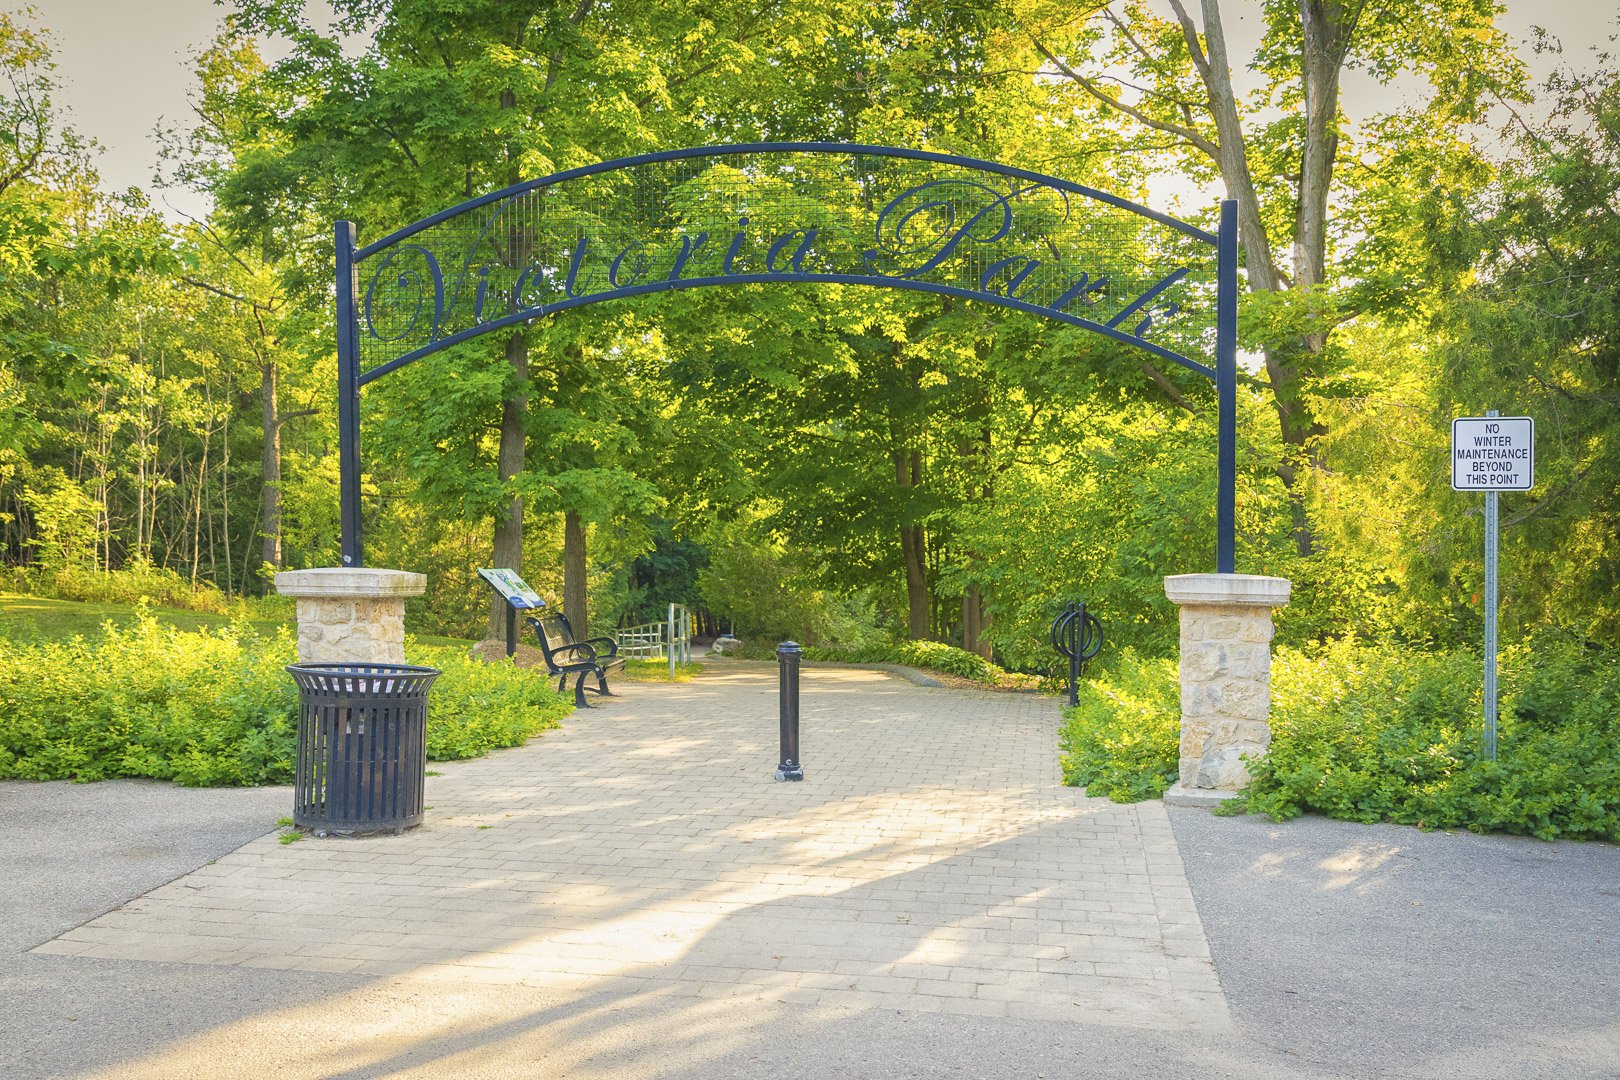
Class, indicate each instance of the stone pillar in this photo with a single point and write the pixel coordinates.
(1225, 679)
(351, 616)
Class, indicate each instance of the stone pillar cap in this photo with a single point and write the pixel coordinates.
(344, 581)
(1249, 589)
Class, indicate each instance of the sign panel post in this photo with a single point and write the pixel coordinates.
(1492, 454)
(518, 596)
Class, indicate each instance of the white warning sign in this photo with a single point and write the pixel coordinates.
(1493, 453)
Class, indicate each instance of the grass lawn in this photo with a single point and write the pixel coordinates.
(658, 671)
(28, 616)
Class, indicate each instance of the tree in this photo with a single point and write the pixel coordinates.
(1287, 153)
(246, 264)
(456, 98)
(1538, 332)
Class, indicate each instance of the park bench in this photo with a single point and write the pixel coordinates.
(566, 656)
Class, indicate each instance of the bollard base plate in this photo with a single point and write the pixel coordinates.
(789, 774)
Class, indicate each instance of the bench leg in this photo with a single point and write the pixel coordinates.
(579, 691)
(601, 684)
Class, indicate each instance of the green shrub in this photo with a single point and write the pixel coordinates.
(136, 585)
(478, 706)
(769, 592)
(1382, 733)
(214, 707)
(1377, 733)
(1121, 740)
(206, 708)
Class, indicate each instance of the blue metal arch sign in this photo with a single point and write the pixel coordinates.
(794, 213)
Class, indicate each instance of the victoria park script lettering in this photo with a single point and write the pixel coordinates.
(917, 235)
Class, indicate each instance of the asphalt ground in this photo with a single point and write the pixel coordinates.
(1371, 950)
(1344, 951)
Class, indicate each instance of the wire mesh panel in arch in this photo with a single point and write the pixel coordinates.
(729, 215)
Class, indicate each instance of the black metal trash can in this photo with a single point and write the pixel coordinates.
(362, 746)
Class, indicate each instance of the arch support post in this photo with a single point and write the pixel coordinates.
(348, 356)
(1226, 302)
(1225, 680)
(350, 616)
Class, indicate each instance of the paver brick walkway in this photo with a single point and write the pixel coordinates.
(931, 861)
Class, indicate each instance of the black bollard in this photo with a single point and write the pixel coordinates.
(787, 656)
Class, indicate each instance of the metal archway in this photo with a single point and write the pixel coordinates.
(789, 212)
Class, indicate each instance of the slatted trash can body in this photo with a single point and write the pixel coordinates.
(362, 746)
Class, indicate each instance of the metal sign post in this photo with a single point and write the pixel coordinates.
(1492, 454)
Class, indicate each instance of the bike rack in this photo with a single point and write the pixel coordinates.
(1077, 635)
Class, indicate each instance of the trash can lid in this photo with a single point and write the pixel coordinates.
(361, 669)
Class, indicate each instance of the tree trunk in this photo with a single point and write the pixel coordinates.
(140, 493)
(907, 473)
(974, 623)
(508, 548)
(575, 597)
(1327, 29)
(197, 504)
(225, 494)
(271, 528)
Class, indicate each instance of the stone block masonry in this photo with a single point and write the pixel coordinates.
(351, 616)
(1225, 679)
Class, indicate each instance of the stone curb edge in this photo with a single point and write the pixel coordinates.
(910, 674)
(1201, 798)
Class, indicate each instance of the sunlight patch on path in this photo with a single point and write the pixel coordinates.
(642, 860)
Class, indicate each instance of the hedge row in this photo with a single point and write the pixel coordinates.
(215, 707)
(1387, 733)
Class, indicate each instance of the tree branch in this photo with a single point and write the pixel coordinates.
(1167, 386)
(398, 141)
(1189, 34)
(216, 290)
(1558, 492)
(1086, 84)
(22, 170)
(1232, 154)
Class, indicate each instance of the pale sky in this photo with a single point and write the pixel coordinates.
(124, 67)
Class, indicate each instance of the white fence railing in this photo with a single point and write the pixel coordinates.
(680, 637)
(670, 639)
(644, 642)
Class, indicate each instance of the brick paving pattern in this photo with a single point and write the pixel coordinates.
(931, 861)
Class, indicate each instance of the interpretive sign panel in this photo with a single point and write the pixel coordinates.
(1493, 453)
(513, 588)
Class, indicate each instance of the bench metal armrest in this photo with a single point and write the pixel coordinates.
(574, 657)
(611, 643)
